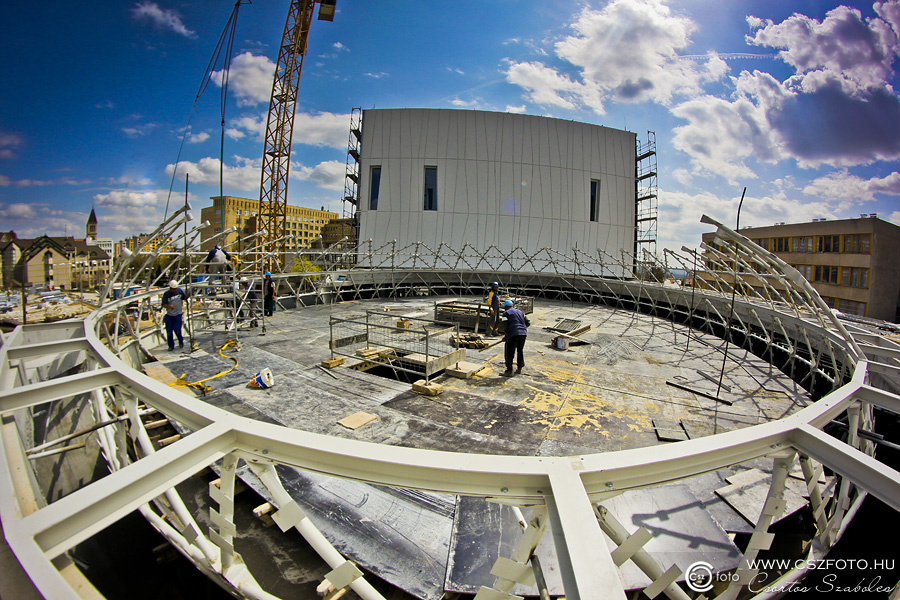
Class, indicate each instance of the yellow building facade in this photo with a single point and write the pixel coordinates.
(305, 224)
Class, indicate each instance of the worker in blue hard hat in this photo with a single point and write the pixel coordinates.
(516, 332)
(268, 295)
(493, 302)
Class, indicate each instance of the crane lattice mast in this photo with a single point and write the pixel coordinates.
(280, 124)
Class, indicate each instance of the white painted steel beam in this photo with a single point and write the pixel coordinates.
(45, 348)
(585, 563)
(875, 477)
(56, 389)
(70, 520)
(885, 400)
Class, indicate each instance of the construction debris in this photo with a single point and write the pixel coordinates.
(468, 340)
(427, 389)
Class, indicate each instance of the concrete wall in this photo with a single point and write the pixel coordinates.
(503, 179)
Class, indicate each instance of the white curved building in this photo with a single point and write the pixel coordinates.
(519, 183)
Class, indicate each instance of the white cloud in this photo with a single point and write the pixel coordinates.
(197, 138)
(515, 109)
(378, 75)
(132, 198)
(838, 109)
(329, 174)
(244, 177)
(7, 182)
(627, 52)
(162, 18)
(722, 134)
(128, 180)
(18, 210)
(322, 129)
(679, 214)
(8, 143)
(139, 130)
(841, 47)
(850, 190)
(339, 46)
(249, 79)
(895, 217)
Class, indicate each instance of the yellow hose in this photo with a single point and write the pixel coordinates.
(198, 385)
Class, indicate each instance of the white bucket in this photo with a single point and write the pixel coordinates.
(561, 343)
(262, 380)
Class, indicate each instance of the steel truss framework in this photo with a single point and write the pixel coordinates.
(850, 373)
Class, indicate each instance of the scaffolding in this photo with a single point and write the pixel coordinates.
(354, 149)
(646, 195)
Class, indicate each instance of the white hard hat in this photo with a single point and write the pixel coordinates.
(173, 284)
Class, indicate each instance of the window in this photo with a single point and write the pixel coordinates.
(826, 274)
(855, 277)
(595, 200)
(806, 271)
(763, 243)
(828, 243)
(857, 244)
(430, 188)
(780, 244)
(851, 307)
(802, 244)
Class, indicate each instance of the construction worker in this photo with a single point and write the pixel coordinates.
(516, 332)
(493, 302)
(173, 301)
(268, 295)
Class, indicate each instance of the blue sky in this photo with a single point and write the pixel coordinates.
(797, 100)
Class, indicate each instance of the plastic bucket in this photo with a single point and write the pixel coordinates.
(262, 380)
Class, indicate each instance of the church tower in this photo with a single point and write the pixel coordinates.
(90, 229)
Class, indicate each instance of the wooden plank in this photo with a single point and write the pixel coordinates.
(668, 430)
(357, 420)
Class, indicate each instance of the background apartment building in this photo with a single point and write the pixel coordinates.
(305, 224)
(63, 262)
(854, 264)
(136, 242)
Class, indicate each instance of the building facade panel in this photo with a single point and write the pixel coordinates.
(501, 179)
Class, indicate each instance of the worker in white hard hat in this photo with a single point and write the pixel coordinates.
(493, 302)
(173, 301)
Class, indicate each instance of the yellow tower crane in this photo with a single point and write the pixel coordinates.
(280, 125)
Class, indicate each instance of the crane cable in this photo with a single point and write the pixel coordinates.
(226, 43)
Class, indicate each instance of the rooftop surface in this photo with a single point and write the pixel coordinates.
(606, 395)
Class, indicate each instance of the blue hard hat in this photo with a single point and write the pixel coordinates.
(268, 274)
(509, 303)
(495, 283)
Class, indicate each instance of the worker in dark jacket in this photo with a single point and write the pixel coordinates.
(516, 332)
(173, 301)
(268, 295)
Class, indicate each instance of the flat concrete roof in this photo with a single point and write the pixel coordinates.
(640, 375)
